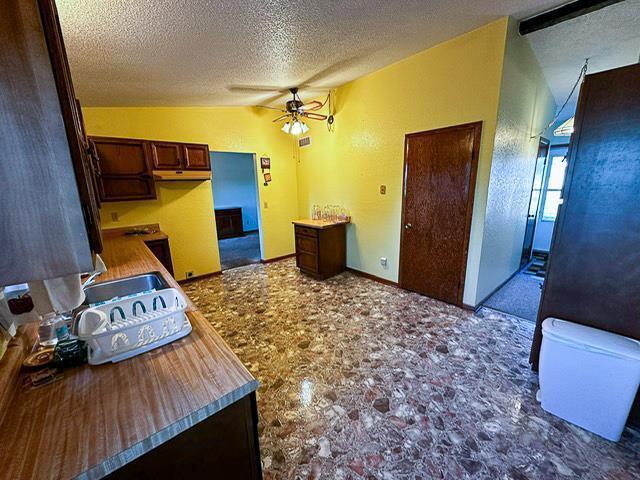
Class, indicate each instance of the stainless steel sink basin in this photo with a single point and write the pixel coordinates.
(99, 292)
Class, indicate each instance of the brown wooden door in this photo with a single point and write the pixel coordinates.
(167, 156)
(125, 169)
(439, 182)
(196, 157)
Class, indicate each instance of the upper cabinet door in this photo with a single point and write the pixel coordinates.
(196, 157)
(167, 156)
(125, 169)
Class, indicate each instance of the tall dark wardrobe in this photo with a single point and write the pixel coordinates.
(593, 274)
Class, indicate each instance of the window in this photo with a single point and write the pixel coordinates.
(553, 190)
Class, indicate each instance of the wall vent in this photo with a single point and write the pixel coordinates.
(304, 142)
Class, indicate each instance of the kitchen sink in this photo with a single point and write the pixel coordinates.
(101, 292)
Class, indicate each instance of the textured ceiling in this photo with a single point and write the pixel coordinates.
(204, 52)
(610, 38)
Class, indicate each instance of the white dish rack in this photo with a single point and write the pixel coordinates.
(123, 328)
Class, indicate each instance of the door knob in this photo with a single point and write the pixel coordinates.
(408, 226)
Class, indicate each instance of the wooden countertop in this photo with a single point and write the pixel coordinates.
(98, 418)
(319, 224)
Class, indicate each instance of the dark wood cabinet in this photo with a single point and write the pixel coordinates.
(126, 165)
(125, 171)
(320, 249)
(229, 222)
(161, 250)
(224, 446)
(593, 276)
(166, 156)
(196, 157)
(180, 156)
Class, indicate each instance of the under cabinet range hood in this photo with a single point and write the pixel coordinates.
(172, 175)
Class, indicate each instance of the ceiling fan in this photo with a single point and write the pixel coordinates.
(296, 111)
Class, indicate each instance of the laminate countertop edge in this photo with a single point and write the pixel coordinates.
(112, 464)
(134, 406)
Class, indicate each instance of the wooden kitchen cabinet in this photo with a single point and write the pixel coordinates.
(224, 446)
(196, 157)
(180, 156)
(166, 156)
(161, 250)
(125, 169)
(320, 248)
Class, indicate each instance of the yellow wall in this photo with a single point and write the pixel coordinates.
(184, 210)
(452, 83)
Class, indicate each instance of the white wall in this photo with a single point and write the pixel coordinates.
(234, 185)
(526, 107)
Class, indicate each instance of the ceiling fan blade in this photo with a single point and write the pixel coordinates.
(313, 116)
(335, 68)
(311, 106)
(256, 89)
(270, 108)
(280, 118)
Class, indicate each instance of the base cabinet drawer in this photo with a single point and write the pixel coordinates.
(309, 232)
(306, 244)
(307, 261)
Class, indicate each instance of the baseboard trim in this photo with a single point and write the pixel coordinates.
(199, 277)
(277, 259)
(373, 277)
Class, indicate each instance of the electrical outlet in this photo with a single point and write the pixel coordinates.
(266, 205)
(383, 262)
(189, 274)
(383, 189)
(115, 217)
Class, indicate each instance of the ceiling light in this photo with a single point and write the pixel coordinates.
(297, 128)
(564, 130)
(286, 128)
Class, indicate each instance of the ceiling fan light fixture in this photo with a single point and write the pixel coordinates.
(286, 128)
(298, 128)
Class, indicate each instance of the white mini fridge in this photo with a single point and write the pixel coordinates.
(588, 377)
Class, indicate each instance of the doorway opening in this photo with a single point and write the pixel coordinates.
(237, 208)
(520, 295)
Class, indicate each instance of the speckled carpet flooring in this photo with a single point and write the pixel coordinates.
(363, 380)
(520, 296)
(239, 251)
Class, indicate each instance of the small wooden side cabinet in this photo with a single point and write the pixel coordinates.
(229, 222)
(321, 249)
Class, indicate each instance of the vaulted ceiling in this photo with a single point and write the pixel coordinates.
(610, 38)
(231, 52)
